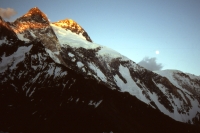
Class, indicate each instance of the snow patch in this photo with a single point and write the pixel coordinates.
(77, 100)
(34, 112)
(32, 34)
(83, 69)
(3, 41)
(70, 54)
(52, 55)
(80, 64)
(21, 37)
(96, 104)
(182, 95)
(32, 92)
(130, 86)
(97, 71)
(51, 70)
(73, 60)
(12, 60)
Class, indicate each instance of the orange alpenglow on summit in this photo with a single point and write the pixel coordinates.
(33, 19)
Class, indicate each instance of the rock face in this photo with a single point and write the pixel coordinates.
(34, 15)
(52, 80)
(35, 25)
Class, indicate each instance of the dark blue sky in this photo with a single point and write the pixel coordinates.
(135, 28)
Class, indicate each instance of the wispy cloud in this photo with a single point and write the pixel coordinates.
(150, 64)
(7, 13)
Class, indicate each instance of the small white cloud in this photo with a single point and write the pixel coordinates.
(150, 64)
(7, 13)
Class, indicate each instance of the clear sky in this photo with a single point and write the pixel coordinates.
(135, 28)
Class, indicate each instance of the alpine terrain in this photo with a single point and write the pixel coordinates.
(53, 78)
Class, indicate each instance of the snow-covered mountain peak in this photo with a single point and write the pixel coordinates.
(34, 25)
(67, 38)
(69, 24)
(34, 15)
(33, 19)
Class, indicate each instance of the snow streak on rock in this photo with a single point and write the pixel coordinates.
(12, 60)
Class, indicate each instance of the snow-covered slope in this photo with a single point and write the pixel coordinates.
(118, 72)
(187, 82)
(98, 62)
(71, 25)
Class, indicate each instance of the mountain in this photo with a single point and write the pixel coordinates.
(188, 83)
(55, 79)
